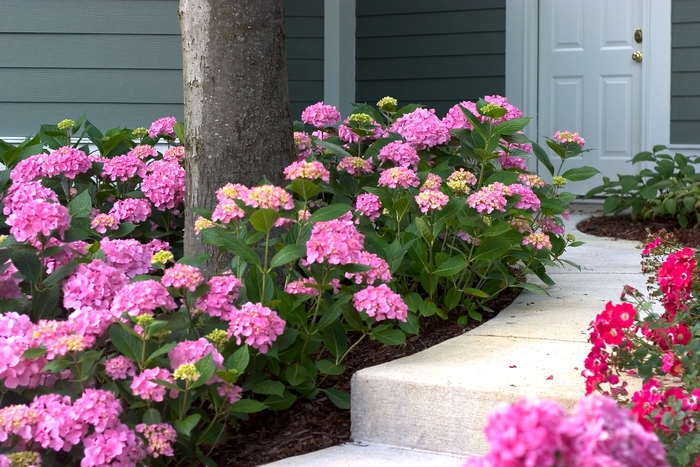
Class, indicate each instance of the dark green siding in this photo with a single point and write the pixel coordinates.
(304, 29)
(685, 72)
(119, 61)
(434, 53)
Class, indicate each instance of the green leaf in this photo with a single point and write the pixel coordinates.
(328, 367)
(335, 339)
(127, 343)
(248, 406)
(452, 266)
(491, 248)
(543, 157)
(167, 384)
(57, 365)
(503, 176)
(333, 148)
(187, 425)
(162, 350)
(295, 374)
(238, 361)
(28, 264)
(45, 302)
(453, 299)
(214, 434)
(60, 273)
(281, 403)
(179, 129)
(329, 213)
(534, 288)
(263, 220)
(578, 174)
(642, 156)
(304, 188)
(389, 336)
(231, 243)
(427, 308)
(287, 255)
(206, 368)
(340, 398)
(665, 168)
(476, 292)
(428, 281)
(151, 417)
(670, 205)
(611, 203)
(269, 388)
(511, 126)
(401, 206)
(80, 206)
(332, 314)
(34, 352)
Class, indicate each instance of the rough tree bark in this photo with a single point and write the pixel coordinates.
(237, 117)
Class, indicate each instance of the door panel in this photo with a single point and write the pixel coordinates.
(589, 83)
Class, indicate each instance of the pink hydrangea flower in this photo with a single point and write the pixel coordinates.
(143, 387)
(455, 117)
(489, 198)
(162, 127)
(123, 168)
(258, 324)
(400, 153)
(192, 352)
(396, 177)
(511, 162)
(430, 200)
(433, 182)
(160, 437)
(356, 166)
(15, 338)
(182, 276)
(29, 169)
(38, 217)
(98, 408)
(22, 193)
(67, 161)
(380, 303)
(565, 137)
(56, 426)
(156, 245)
(531, 180)
(165, 184)
(528, 199)
(336, 241)
(302, 287)
(143, 151)
(369, 205)
(176, 153)
(142, 297)
(59, 338)
(320, 115)
(131, 210)
(102, 222)
(127, 255)
(345, 132)
(422, 129)
(550, 224)
(460, 180)
(380, 270)
(230, 392)
(539, 240)
(227, 210)
(232, 191)
(9, 285)
(302, 141)
(120, 367)
(116, 446)
(313, 170)
(218, 301)
(268, 197)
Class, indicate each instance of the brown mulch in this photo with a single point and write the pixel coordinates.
(312, 425)
(626, 228)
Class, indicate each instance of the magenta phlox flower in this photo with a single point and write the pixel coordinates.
(38, 217)
(142, 297)
(421, 128)
(380, 270)
(336, 241)
(120, 367)
(160, 437)
(398, 177)
(193, 351)
(302, 287)
(356, 166)
(313, 170)
(116, 446)
(165, 184)
(66, 161)
(380, 303)
(489, 198)
(143, 152)
(123, 168)
(131, 210)
(218, 300)
(268, 197)
(430, 200)
(163, 127)
(22, 193)
(127, 255)
(528, 199)
(320, 115)
(400, 153)
(258, 324)
(142, 385)
(369, 205)
(182, 276)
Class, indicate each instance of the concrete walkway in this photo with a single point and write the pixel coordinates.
(430, 408)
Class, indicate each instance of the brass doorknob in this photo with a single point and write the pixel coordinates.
(637, 56)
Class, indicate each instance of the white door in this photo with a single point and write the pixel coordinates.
(589, 82)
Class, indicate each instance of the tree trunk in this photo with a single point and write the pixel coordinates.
(237, 118)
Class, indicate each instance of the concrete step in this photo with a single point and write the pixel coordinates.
(437, 401)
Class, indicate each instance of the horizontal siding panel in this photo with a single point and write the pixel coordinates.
(434, 89)
(685, 11)
(685, 35)
(432, 23)
(432, 67)
(685, 84)
(390, 7)
(304, 27)
(91, 86)
(687, 59)
(304, 48)
(685, 108)
(305, 91)
(685, 132)
(90, 17)
(428, 46)
(303, 8)
(24, 119)
(305, 69)
(90, 51)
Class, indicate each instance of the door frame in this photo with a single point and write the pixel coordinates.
(522, 65)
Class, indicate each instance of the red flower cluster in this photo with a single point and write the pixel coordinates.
(675, 280)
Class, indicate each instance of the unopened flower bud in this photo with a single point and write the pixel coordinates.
(24, 459)
(387, 104)
(558, 181)
(361, 118)
(162, 257)
(218, 337)
(144, 320)
(140, 132)
(187, 372)
(66, 124)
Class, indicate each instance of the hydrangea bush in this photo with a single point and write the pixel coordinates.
(653, 337)
(117, 351)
